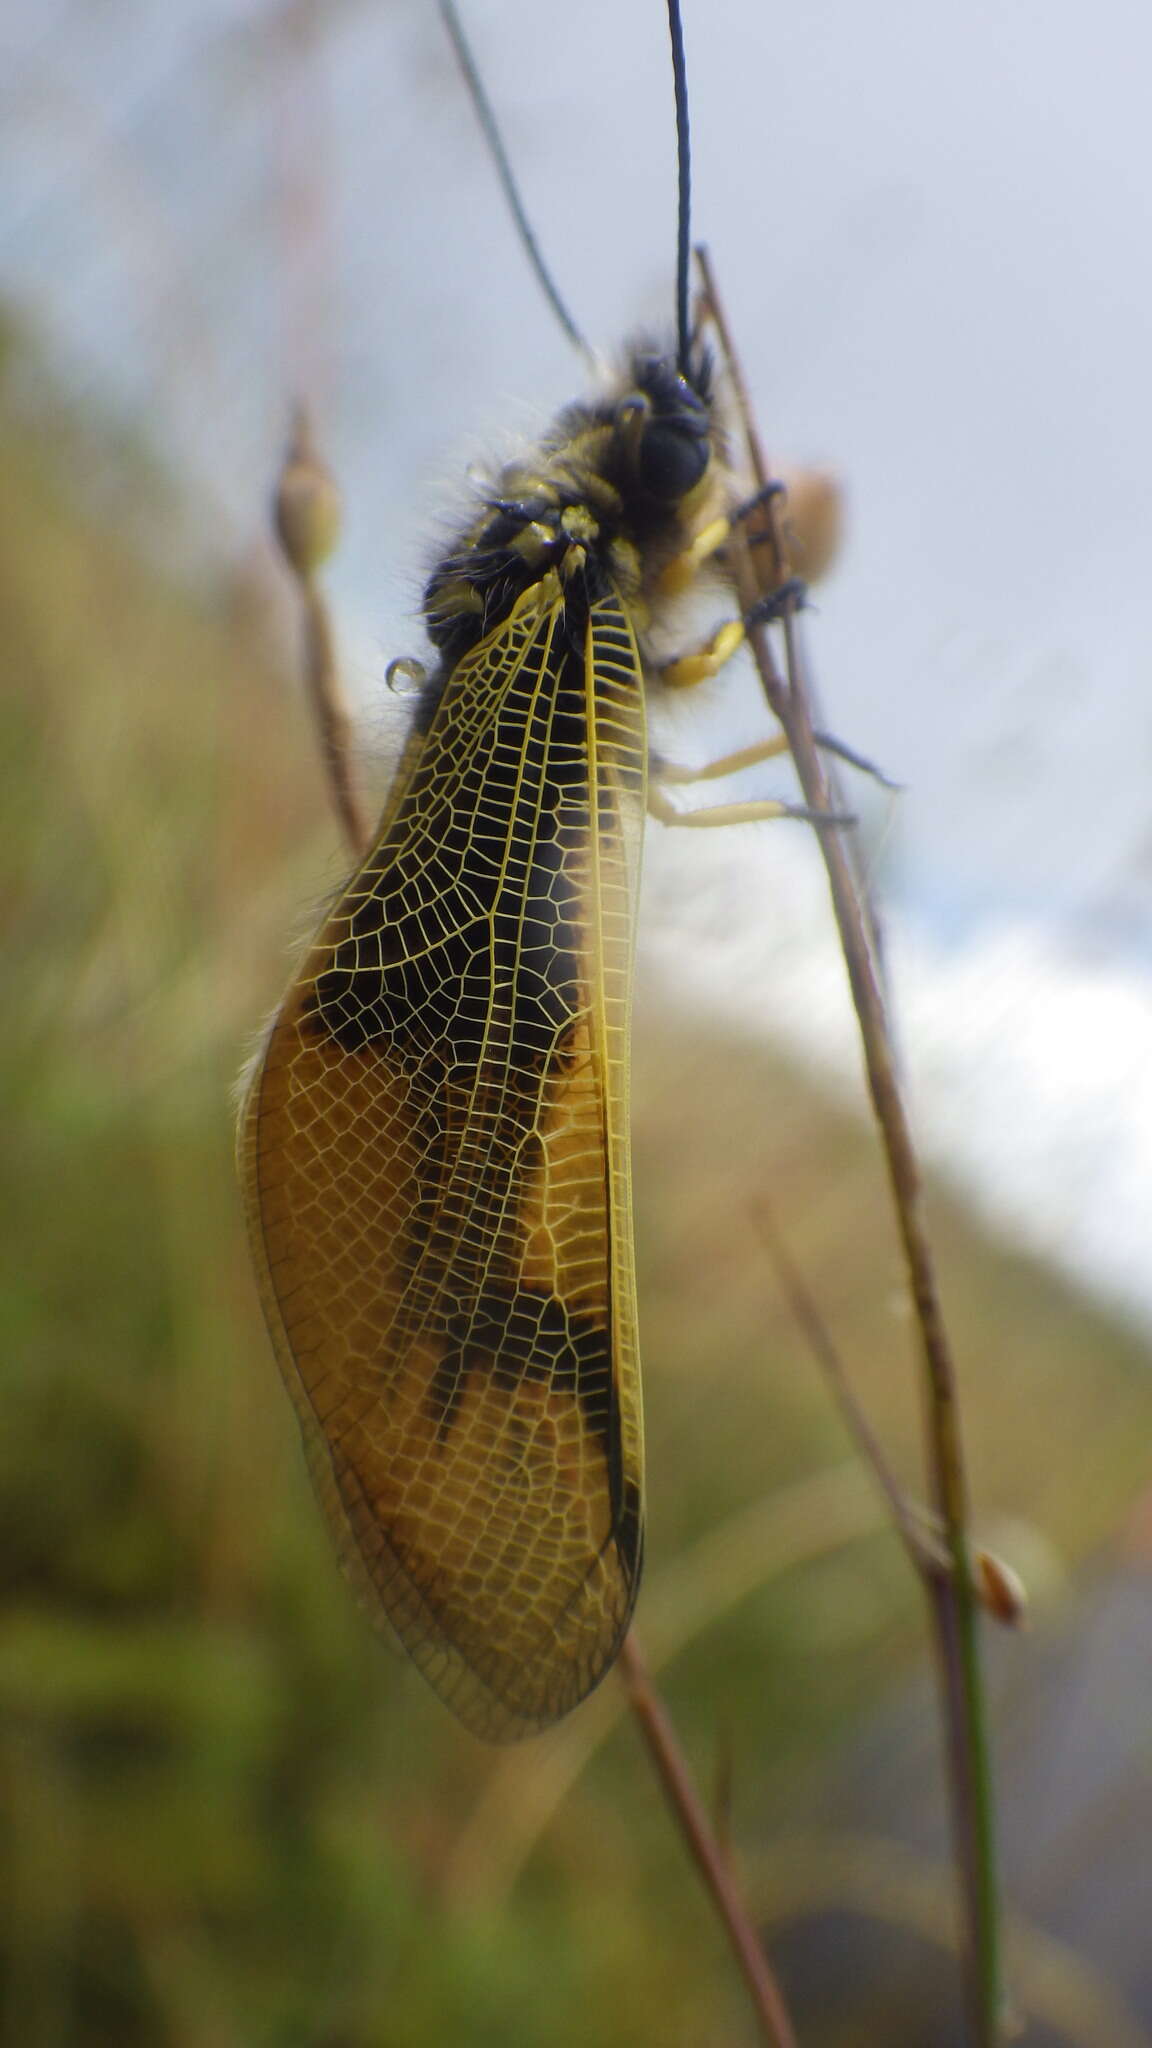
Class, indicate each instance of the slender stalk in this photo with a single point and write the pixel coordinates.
(926, 1553)
(951, 1596)
(333, 727)
(307, 516)
(659, 1738)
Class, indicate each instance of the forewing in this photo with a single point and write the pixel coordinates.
(435, 1160)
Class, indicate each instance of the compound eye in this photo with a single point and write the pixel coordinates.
(672, 460)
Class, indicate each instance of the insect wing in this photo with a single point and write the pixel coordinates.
(436, 1168)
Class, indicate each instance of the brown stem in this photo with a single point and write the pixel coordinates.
(925, 1554)
(306, 512)
(952, 1599)
(333, 725)
(659, 1738)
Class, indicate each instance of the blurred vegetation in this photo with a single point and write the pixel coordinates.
(229, 1818)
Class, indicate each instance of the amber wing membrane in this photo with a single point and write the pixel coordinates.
(436, 1170)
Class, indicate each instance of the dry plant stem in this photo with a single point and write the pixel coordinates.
(333, 727)
(334, 733)
(928, 1557)
(951, 1595)
(660, 1741)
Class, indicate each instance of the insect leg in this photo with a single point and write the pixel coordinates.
(767, 750)
(725, 764)
(680, 573)
(663, 773)
(707, 661)
(685, 673)
(662, 808)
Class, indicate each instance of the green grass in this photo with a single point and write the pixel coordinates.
(229, 1817)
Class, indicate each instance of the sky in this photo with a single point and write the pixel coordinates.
(931, 227)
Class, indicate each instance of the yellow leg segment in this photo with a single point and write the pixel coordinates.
(682, 571)
(662, 808)
(678, 575)
(707, 661)
(725, 764)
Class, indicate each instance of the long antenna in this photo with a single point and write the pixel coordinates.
(684, 200)
(492, 137)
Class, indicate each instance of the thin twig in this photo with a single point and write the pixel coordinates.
(333, 727)
(307, 514)
(659, 1738)
(951, 1597)
(926, 1555)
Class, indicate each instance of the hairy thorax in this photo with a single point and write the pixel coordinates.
(616, 491)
